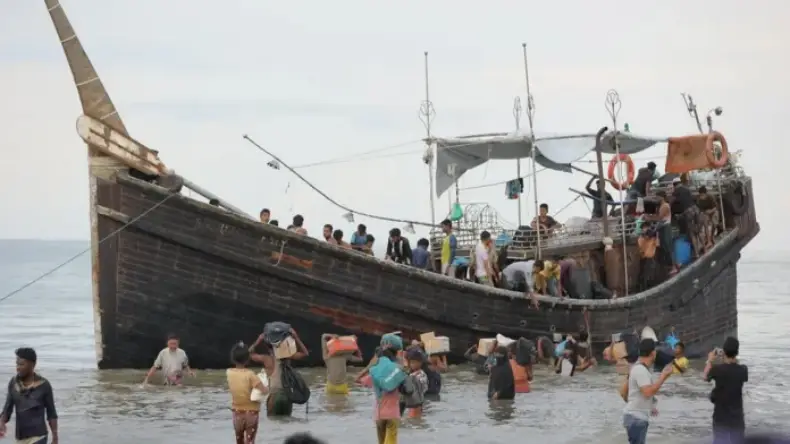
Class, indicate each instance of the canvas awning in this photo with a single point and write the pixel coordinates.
(455, 156)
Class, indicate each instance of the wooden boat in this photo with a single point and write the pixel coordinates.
(164, 262)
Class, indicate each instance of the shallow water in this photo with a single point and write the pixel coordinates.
(55, 316)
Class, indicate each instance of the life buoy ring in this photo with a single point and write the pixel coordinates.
(631, 171)
(716, 136)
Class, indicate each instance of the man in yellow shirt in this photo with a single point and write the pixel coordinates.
(547, 277)
(449, 247)
(680, 364)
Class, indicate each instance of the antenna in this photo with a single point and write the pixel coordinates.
(533, 148)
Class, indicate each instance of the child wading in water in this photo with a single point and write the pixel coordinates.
(414, 403)
(241, 382)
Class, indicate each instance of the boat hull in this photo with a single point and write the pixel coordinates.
(215, 279)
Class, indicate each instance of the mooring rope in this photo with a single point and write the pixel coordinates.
(76, 256)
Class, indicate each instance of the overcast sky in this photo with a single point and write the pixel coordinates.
(321, 80)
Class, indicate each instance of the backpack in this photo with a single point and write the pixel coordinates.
(412, 392)
(526, 352)
(386, 375)
(276, 332)
(294, 385)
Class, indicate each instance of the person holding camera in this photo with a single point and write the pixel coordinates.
(727, 396)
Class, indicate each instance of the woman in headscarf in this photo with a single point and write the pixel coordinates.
(501, 384)
(386, 410)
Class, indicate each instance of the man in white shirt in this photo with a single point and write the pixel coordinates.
(518, 276)
(484, 269)
(639, 392)
(172, 361)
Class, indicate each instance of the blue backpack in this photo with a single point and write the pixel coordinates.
(386, 375)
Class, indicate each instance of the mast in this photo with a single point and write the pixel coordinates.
(530, 118)
(426, 115)
(517, 116)
(613, 105)
(96, 103)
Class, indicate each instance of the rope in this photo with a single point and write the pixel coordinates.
(76, 256)
(327, 197)
(341, 159)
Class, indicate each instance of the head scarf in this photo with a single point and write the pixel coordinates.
(391, 341)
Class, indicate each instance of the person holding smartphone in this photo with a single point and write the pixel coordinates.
(727, 395)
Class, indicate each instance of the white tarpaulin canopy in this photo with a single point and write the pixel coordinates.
(456, 156)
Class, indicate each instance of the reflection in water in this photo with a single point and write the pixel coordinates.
(500, 410)
(111, 406)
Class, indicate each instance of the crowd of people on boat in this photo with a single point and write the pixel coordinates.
(672, 225)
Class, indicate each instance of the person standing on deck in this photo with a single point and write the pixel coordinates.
(278, 403)
(266, 215)
(641, 185)
(449, 247)
(599, 208)
(398, 248)
(338, 238)
(328, 230)
(547, 223)
(31, 396)
(359, 238)
(484, 269)
(298, 225)
(173, 362)
(421, 256)
(337, 367)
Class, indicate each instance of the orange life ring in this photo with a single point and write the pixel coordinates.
(716, 136)
(631, 171)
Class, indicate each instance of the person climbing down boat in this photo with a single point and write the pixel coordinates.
(241, 382)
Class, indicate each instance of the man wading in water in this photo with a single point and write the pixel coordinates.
(172, 361)
(31, 395)
(278, 403)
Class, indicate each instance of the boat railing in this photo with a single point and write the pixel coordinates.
(522, 243)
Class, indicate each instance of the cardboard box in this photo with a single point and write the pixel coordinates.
(485, 346)
(437, 345)
(426, 337)
(286, 348)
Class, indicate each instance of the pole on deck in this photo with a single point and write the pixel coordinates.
(613, 105)
(517, 116)
(426, 115)
(530, 118)
(601, 182)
